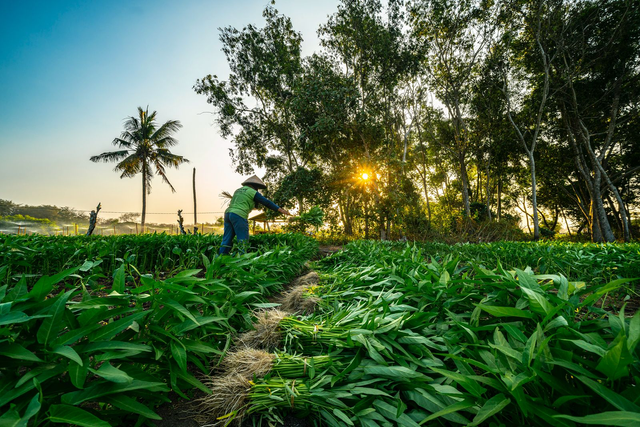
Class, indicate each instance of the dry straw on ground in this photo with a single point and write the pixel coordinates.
(267, 334)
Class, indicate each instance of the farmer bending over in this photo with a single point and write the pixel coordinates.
(244, 200)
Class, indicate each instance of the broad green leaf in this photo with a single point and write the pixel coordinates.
(17, 317)
(369, 391)
(609, 395)
(612, 418)
(18, 291)
(330, 419)
(390, 413)
(527, 280)
(16, 351)
(338, 413)
(51, 326)
(397, 372)
(11, 418)
(445, 278)
(558, 322)
(633, 337)
(588, 347)
(179, 355)
(116, 345)
(107, 332)
(45, 284)
(239, 298)
(104, 389)
(66, 414)
(538, 302)
(129, 404)
(448, 410)
(490, 408)
(32, 409)
(119, 280)
(186, 273)
(615, 361)
(68, 352)
(110, 373)
(78, 374)
(611, 286)
(467, 383)
(180, 309)
(193, 381)
(264, 305)
(73, 336)
(505, 311)
(515, 332)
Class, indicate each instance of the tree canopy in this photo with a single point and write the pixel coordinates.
(470, 118)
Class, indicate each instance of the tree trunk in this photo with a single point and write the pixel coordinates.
(465, 185)
(426, 195)
(526, 215)
(534, 197)
(600, 227)
(596, 232)
(605, 227)
(566, 222)
(488, 190)
(195, 209)
(144, 194)
(499, 198)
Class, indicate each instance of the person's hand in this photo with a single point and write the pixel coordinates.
(284, 211)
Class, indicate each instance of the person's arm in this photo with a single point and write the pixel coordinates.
(259, 198)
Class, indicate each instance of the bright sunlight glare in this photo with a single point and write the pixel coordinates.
(365, 176)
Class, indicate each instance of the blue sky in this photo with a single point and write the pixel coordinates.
(72, 71)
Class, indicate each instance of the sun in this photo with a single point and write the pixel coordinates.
(365, 176)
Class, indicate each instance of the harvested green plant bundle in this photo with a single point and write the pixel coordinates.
(227, 401)
(300, 299)
(279, 393)
(252, 363)
(293, 366)
(267, 334)
(309, 335)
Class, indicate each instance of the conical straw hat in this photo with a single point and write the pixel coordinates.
(255, 181)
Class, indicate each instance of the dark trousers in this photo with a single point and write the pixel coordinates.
(234, 225)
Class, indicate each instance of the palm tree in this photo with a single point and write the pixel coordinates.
(143, 146)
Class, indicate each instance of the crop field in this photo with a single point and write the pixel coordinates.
(104, 331)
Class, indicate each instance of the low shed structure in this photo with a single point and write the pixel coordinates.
(262, 217)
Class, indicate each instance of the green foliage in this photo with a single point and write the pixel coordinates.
(144, 147)
(303, 185)
(452, 341)
(312, 218)
(106, 334)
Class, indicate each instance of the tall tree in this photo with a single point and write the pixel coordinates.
(369, 45)
(144, 147)
(529, 31)
(598, 83)
(457, 34)
(254, 105)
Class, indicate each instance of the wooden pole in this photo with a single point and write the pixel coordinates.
(195, 211)
(136, 228)
(76, 229)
